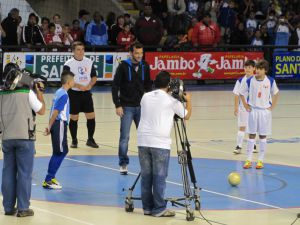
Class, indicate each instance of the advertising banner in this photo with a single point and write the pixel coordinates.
(50, 64)
(200, 65)
(286, 65)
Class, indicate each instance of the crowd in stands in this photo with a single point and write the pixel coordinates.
(175, 24)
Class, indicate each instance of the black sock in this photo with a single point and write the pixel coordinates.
(91, 124)
(73, 128)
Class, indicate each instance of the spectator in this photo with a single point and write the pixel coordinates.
(176, 7)
(227, 18)
(257, 41)
(32, 34)
(56, 21)
(206, 32)
(251, 23)
(127, 19)
(96, 32)
(177, 42)
(116, 28)
(148, 28)
(76, 33)
(193, 7)
(83, 16)
(2, 34)
(160, 8)
(52, 38)
(110, 21)
(271, 22)
(238, 35)
(66, 37)
(264, 35)
(45, 26)
(282, 32)
(125, 37)
(295, 37)
(10, 26)
(19, 30)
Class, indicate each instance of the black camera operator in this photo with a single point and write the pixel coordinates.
(18, 106)
(158, 108)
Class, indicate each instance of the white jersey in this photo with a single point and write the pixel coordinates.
(259, 92)
(83, 69)
(157, 113)
(237, 89)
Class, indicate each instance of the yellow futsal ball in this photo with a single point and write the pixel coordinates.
(234, 178)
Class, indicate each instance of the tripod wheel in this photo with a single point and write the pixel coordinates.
(129, 207)
(190, 215)
(197, 205)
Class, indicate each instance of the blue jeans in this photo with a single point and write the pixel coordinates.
(130, 114)
(18, 156)
(154, 171)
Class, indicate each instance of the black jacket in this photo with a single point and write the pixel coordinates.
(32, 35)
(10, 26)
(128, 85)
(294, 39)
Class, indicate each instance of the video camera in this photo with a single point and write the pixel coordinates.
(14, 77)
(177, 89)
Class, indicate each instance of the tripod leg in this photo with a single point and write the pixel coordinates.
(129, 207)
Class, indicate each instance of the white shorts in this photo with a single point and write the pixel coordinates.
(243, 116)
(260, 121)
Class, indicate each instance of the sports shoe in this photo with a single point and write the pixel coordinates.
(24, 213)
(92, 143)
(237, 150)
(247, 165)
(123, 170)
(54, 181)
(51, 185)
(10, 213)
(259, 164)
(74, 143)
(255, 149)
(165, 213)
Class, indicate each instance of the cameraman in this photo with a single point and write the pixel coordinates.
(158, 108)
(17, 125)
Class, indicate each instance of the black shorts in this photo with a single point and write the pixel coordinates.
(80, 101)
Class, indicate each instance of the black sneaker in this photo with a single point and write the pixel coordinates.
(92, 143)
(74, 144)
(11, 213)
(24, 213)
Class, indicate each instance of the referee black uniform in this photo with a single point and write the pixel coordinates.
(81, 101)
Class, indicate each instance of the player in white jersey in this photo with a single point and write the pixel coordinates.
(239, 109)
(80, 95)
(259, 91)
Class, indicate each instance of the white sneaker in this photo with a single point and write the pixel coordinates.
(51, 185)
(123, 170)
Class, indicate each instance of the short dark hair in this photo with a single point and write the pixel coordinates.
(56, 14)
(262, 64)
(75, 21)
(76, 43)
(162, 79)
(249, 62)
(66, 76)
(135, 45)
(83, 12)
(51, 25)
(45, 19)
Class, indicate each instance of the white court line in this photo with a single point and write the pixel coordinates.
(178, 184)
(59, 215)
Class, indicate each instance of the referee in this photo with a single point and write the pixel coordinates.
(80, 95)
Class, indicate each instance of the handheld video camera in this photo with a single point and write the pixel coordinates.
(177, 89)
(14, 77)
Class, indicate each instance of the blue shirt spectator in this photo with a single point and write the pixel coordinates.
(96, 31)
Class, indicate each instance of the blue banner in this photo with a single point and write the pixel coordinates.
(286, 65)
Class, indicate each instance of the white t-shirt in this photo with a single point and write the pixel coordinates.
(157, 114)
(34, 103)
(58, 29)
(251, 23)
(237, 89)
(283, 28)
(259, 91)
(82, 69)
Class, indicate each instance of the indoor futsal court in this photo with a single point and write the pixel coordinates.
(93, 189)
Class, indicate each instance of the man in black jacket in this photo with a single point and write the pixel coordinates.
(131, 81)
(10, 26)
(32, 34)
(295, 37)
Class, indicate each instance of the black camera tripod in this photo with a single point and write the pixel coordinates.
(185, 161)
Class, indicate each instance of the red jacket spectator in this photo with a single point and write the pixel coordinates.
(206, 32)
(76, 33)
(125, 38)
